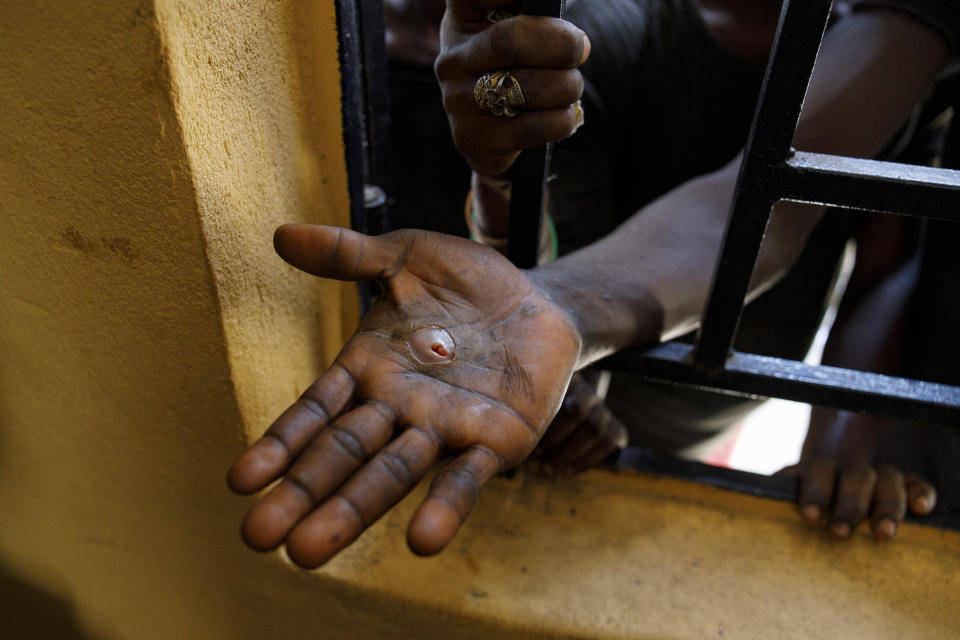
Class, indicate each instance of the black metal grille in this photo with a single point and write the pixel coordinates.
(772, 171)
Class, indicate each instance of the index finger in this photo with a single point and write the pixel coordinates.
(268, 457)
(522, 41)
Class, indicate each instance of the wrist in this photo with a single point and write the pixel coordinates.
(487, 217)
(846, 437)
(606, 316)
(491, 205)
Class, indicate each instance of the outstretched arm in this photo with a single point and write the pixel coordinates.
(872, 69)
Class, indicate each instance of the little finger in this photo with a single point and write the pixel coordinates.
(451, 497)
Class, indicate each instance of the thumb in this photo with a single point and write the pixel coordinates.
(335, 252)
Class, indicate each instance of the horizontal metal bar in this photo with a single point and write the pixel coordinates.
(775, 487)
(871, 185)
(762, 376)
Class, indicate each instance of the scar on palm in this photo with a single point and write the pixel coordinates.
(432, 345)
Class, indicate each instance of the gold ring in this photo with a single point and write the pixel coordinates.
(498, 92)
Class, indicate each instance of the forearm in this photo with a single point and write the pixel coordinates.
(867, 336)
(649, 279)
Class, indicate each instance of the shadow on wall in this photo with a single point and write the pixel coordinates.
(28, 612)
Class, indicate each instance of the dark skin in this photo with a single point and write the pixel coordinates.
(840, 486)
(584, 432)
(401, 396)
(519, 335)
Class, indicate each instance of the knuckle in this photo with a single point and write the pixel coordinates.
(348, 443)
(814, 492)
(575, 85)
(563, 40)
(888, 472)
(396, 468)
(501, 41)
(445, 66)
(299, 476)
(452, 102)
(536, 131)
(464, 140)
(314, 406)
(847, 506)
(464, 481)
(354, 507)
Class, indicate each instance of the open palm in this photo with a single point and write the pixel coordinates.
(460, 354)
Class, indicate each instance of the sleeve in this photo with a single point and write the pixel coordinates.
(942, 15)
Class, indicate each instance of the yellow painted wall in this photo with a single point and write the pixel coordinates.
(147, 330)
(256, 92)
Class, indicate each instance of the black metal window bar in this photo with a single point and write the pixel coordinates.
(771, 171)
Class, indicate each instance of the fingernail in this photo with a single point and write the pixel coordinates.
(885, 530)
(586, 49)
(577, 114)
(841, 529)
(920, 504)
(811, 513)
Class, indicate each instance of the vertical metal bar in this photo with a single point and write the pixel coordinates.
(802, 23)
(354, 122)
(951, 145)
(528, 178)
(377, 109)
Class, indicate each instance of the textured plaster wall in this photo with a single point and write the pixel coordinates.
(146, 330)
(256, 91)
(141, 321)
(116, 404)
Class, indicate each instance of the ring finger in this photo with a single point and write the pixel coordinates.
(542, 89)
